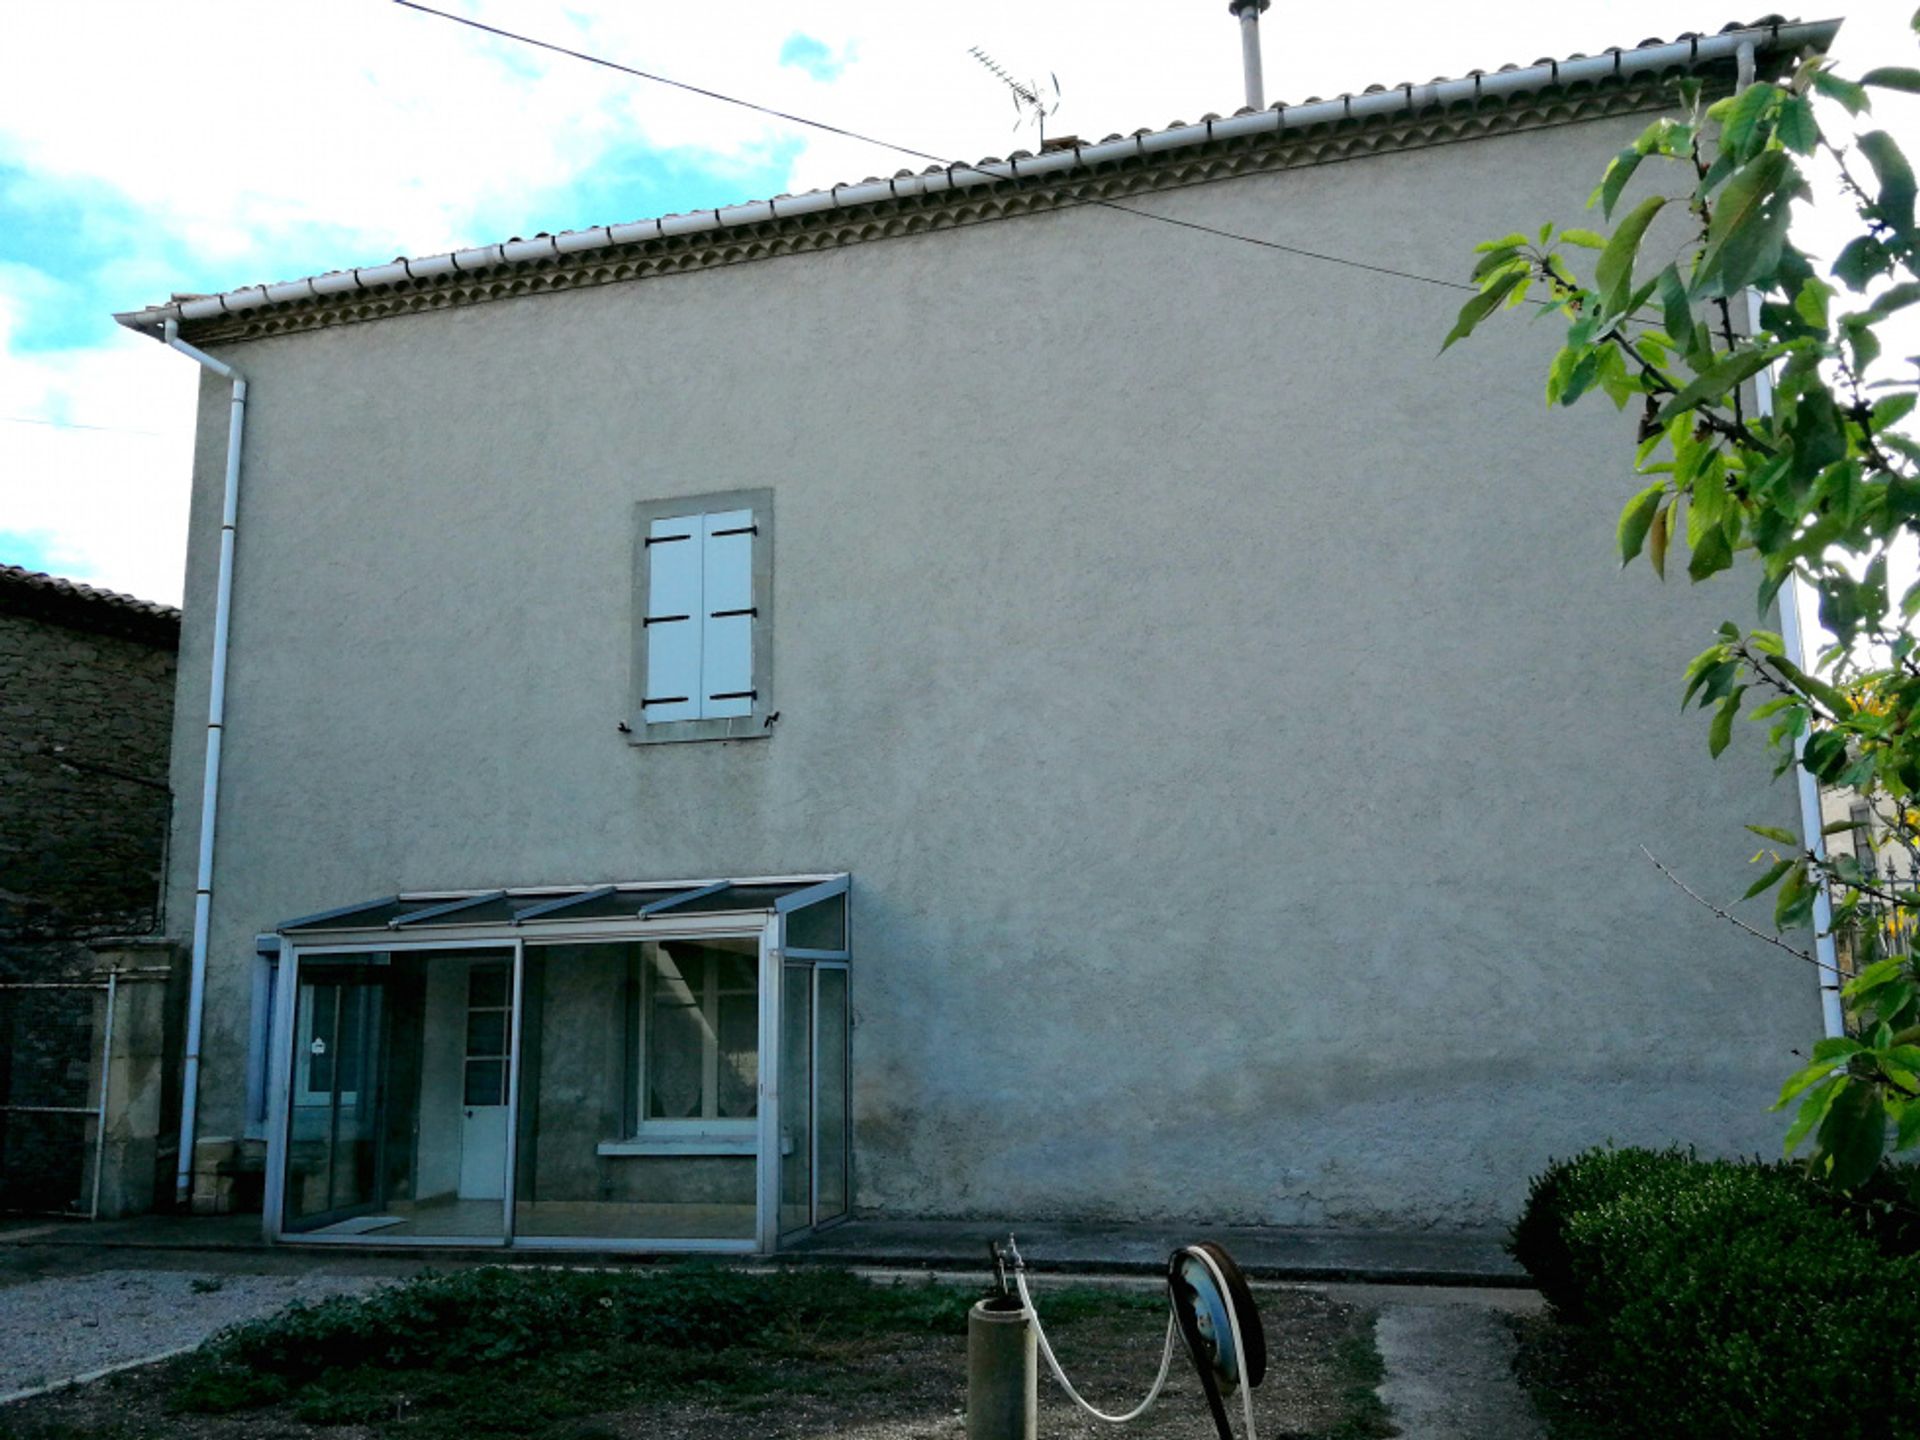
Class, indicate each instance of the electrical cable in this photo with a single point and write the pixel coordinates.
(866, 139)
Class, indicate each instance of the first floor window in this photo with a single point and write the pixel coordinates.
(699, 1037)
(703, 631)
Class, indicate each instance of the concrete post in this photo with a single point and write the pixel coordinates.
(1003, 1400)
(135, 1056)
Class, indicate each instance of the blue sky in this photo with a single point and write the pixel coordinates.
(269, 145)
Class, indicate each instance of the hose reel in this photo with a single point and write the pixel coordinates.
(1210, 1308)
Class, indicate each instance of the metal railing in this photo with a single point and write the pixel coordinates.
(37, 1059)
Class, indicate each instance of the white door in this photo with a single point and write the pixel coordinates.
(483, 1113)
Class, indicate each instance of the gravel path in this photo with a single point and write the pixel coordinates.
(53, 1330)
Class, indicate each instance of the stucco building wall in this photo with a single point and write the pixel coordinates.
(1237, 726)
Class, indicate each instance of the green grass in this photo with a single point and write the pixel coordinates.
(1361, 1370)
(500, 1352)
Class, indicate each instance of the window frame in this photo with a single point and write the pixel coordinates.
(754, 724)
(710, 1133)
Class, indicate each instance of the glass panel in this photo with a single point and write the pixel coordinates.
(393, 1130)
(796, 1098)
(830, 1096)
(487, 986)
(639, 1067)
(739, 1039)
(486, 1033)
(819, 927)
(486, 1082)
(677, 1027)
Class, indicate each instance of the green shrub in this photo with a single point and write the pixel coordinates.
(1567, 1188)
(1728, 1299)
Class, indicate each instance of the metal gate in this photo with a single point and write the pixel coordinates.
(56, 1040)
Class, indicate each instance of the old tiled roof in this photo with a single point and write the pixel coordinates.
(86, 607)
(1313, 131)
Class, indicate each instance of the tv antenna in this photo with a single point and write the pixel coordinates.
(1032, 101)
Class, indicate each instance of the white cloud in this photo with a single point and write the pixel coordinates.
(99, 491)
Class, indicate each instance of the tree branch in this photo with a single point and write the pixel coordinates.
(1737, 922)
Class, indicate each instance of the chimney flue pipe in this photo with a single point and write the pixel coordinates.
(1249, 13)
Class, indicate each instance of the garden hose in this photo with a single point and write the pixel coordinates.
(1211, 1308)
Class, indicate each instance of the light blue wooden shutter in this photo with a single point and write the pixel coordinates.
(726, 666)
(673, 620)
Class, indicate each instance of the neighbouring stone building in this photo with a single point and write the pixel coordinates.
(86, 709)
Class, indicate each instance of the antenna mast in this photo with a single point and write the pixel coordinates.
(1030, 100)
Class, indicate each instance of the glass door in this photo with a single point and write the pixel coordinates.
(333, 1160)
(398, 1095)
(796, 1099)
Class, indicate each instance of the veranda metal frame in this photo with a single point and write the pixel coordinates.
(310, 941)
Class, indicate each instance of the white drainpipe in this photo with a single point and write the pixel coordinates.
(210, 779)
(1832, 1014)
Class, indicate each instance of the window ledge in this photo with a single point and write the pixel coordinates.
(745, 1144)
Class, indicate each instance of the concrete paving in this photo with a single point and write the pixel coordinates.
(1428, 1257)
(1449, 1372)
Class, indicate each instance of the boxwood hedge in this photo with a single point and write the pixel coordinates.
(1733, 1299)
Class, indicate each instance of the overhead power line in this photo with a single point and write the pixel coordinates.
(75, 425)
(940, 160)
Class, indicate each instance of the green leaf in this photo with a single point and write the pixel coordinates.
(1505, 242)
(1767, 882)
(1794, 903)
(1658, 536)
(1741, 121)
(1613, 272)
(1828, 695)
(1587, 239)
(1675, 308)
(1717, 380)
(1845, 91)
(1854, 1134)
(1894, 77)
(1619, 172)
(1720, 732)
(1796, 127)
(1749, 224)
(1498, 260)
(1860, 261)
(1909, 1127)
(1775, 834)
(1798, 1082)
(1481, 306)
(1637, 518)
(1812, 1111)
(1892, 410)
(1895, 201)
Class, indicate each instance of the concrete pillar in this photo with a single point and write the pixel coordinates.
(137, 1055)
(1003, 1400)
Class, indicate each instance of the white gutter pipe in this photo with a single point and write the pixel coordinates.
(1833, 1016)
(210, 778)
(1402, 100)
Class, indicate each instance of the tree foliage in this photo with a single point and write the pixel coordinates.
(1770, 446)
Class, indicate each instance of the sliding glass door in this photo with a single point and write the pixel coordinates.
(399, 1097)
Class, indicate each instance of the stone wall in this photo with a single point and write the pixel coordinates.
(86, 707)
